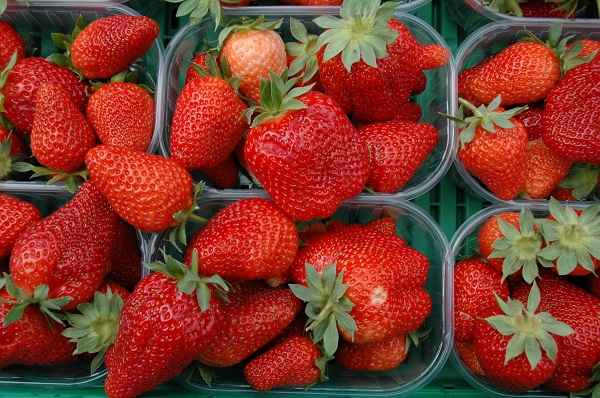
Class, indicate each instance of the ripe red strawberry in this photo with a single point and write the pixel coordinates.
(305, 152)
(12, 152)
(110, 45)
(33, 340)
(384, 224)
(16, 215)
(207, 121)
(544, 170)
(572, 135)
(493, 148)
(294, 362)
(385, 355)
(518, 347)
(122, 114)
(408, 112)
(475, 283)
(23, 81)
(397, 151)
(563, 194)
(532, 120)
(534, 8)
(11, 42)
(377, 62)
(490, 232)
(199, 60)
(164, 326)
(253, 49)
(68, 251)
(225, 175)
(466, 352)
(125, 257)
(60, 134)
(254, 315)
(247, 240)
(146, 190)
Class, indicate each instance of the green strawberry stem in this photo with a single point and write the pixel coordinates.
(184, 216)
(3, 76)
(327, 308)
(8, 163)
(50, 307)
(530, 332)
(94, 329)
(304, 48)
(246, 24)
(197, 10)
(510, 7)
(71, 180)
(583, 178)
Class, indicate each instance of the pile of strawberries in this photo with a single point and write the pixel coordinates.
(254, 285)
(537, 8)
(526, 304)
(529, 126)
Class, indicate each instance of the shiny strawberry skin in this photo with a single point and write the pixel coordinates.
(207, 123)
(125, 257)
(247, 240)
(397, 151)
(490, 232)
(23, 81)
(161, 331)
(309, 160)
(466, 352)
(253, 317)
(385, 355)
(122, 114)
(543, 9)
(291, 363)
(60, 135)
(69, 250)
(111, 44)
(532, 120)
(225, 175)
(544, 170)
(146, 190)
(16, 215)
(11, 41)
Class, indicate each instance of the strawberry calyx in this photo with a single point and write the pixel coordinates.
(197, 10)
(416, 337)
(531, 332)
(71, 180)
(182, 217)
(49, 307)
(3, 76)
(64, 42)
(304, 49)
(327, 308)
(572, 239)
(509, 7)
(583, 178)
(520, 249)
(94, 329)
(9, 163)
(245, 24)
(488, 117)
(594, 389)
(361, 32)
(126, 76)
(221, 72)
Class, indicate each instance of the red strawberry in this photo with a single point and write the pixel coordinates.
(163, 327)
(146, 190)
(493, 148)
(225, 175)
(247, 240)
(308, 158)
(126, 257)
(593, 284)
(385, 355)
(581, 182)
(397, 151)
(111, 44)
(408, 112)
(68, 251)
(372, 83)
(466, 352)
(60, 135)
(544, 170)
(199, 60)
(588, 46)
(536, 8)
(465, 76)
(23, 81)
(207, 121)
(12, 150)
(33, 340)
(122, 114)
(563, 194)
(16, 215)
(254, 315)
(384, 224)
(532, 120)
(11, 42)
(490, 232)
(294, 362)
(475, 284)
(253, 49)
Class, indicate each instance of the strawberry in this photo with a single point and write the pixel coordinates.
(254, 315)
(11, 42)
(532, 120)
(207, 122)
(60, 134)
(23, 81)
(125, 257)
(408, 112)
(475, 284)
(247, 240)
(304, 151)
(199, 60)
(384, 224)
(301, 56)
(33, 340)
(146, 190)
(122, 114)
(517, 346)
(225, 175)
(294, 362)
(544, 170)
(369, 62)
(581, 181)
(16, 215)
(253, 49)
(165, 324)
(466, 352)
(385, 355)
(493, 148)
(490, 232)
(593, 284)
(67, 251)
(534, 8)
(563, 194)
(12, 150)
(397, 151)
(110, 45)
